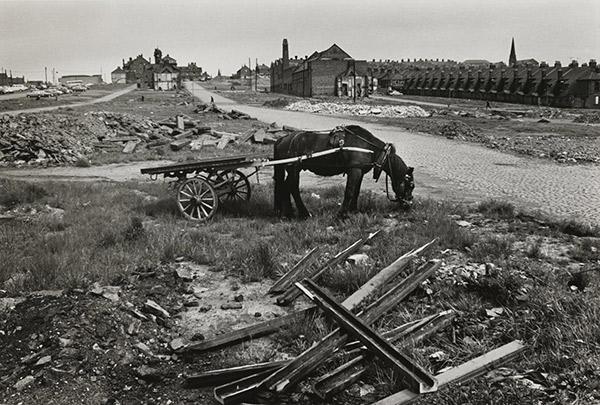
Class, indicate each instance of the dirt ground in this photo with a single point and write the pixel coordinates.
(64, 99)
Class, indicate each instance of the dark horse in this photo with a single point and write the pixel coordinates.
(377, 155)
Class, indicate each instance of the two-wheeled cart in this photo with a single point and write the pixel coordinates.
(201, 185)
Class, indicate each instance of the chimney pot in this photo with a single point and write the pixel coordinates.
(592, 63)
(557, 64)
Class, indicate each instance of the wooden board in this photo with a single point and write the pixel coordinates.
(470, 369)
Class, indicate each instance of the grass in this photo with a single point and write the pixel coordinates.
(109, 230)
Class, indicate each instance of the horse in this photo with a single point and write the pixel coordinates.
(374, 154)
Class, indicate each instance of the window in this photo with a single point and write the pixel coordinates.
(596, 86)
(597, 100)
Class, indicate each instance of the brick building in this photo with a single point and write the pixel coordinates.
(315, 75)
(521, 81)
(163, 74)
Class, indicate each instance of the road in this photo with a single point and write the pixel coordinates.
(11, 96)
(102, 99)
(459, 169)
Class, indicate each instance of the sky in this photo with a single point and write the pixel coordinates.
(93, 36)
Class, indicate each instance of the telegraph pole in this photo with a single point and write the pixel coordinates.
(53, 77)
(46, 74)
(256, 76)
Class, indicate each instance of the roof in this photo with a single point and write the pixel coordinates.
(165, 69)
(118, 70)
(333, 52)
(476, 62)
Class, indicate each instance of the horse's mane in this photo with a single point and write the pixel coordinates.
(368, 136)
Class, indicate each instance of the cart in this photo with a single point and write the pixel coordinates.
(201, 185)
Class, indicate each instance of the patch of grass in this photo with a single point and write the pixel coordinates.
(14, 193)
(534, 249)
(586, 250)
(82, 162)
(497, 209)
(257, 262)
(492, 248)
(577, 228)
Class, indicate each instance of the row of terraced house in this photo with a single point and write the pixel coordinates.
(521, 81)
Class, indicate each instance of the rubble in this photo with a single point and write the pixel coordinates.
(393, 111)
(588, 118)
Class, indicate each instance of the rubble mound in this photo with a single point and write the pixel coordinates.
(390, 111)
(44, 138)
(278, 102)
(588, 118)
(457, 129)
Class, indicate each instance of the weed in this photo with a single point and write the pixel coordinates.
(534, 249)
(14, 193)
(576, 228)
(82, 162)
(257, 262)
(586, 250)
(134, 231)
(497, 209)
(492, 248)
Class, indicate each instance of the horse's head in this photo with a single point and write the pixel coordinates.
(403, 182)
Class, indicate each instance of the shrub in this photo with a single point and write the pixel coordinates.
(497, 209)
(13, 193)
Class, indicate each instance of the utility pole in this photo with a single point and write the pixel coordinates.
(354, 82)
(256, 76)
(53, 77)
(46, 74)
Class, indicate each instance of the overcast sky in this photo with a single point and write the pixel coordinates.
(85, 36)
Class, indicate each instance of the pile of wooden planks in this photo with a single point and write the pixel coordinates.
(355, 340)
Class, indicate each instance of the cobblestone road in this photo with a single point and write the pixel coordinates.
(462, 170)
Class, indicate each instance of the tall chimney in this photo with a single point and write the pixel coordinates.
(286, 54)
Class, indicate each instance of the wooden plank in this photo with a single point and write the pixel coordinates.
(247, 136)
(470, 369)
(130, 146)
(180, 144)
(259, 136)
(180, 122)
(224, 141)
(292, 292)
(412, 373)
(227, 375)
(286, 378)
(294, 274)
(247, 333)
(411, 333)
(185, 134)
(239, 391)
(384, 276)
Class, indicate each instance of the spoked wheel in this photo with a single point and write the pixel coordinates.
(231, 185)
(197, 199)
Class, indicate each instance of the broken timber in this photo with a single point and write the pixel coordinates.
(415, 377)
(286, 378)
(292, 292)
(470, 369)
(250, 332)
(227, 375)
(411, 333)
(294, 274)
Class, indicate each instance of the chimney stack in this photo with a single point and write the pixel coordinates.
(592, 63)
(286, 54)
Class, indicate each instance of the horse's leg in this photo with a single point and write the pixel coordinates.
(354, 201)
(294, 187)
(352, 189)
(286, 189)
(279, 189)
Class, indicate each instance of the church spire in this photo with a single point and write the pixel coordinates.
(512, 59)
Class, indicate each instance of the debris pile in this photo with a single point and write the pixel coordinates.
(44, 139)
(231, 115)
(354, 344)
(391, 111)
(458, 130)
(588, 118)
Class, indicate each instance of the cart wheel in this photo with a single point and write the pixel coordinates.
(233, 185)
(197, 199)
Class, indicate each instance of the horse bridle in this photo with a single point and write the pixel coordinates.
(381, 159)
